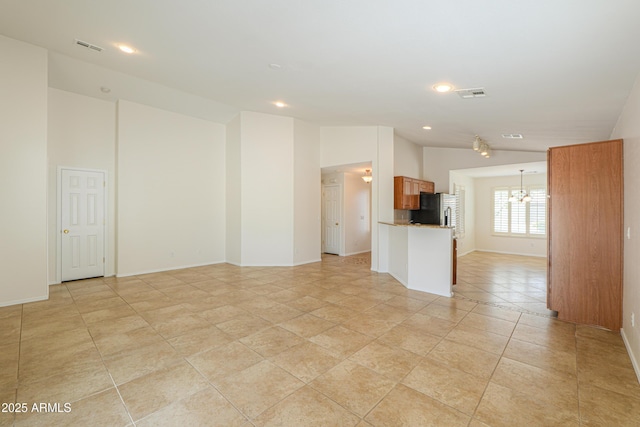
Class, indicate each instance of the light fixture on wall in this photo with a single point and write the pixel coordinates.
(522, 196)
(481, 147)
(367, 176)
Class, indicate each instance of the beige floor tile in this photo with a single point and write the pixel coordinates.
(357, 303)
(150, 393)
(7, 417)
(258, 387)
(304, 304)
(199, 340)
(489, 324)
(116, 326)
(139, 361)
(465, 358)
(544, 386)
(444, 312)
(104, 408)
(204, 408)
(272, 341)
(504, 407)
(309, 408)
(222, 313)
(67, 361)
(115, 343)
(47, 328)
(67, 387)
(547, 358)
(429, 324)
(389, 313)
(455, 303)
(334, 313)
(278, 313)
(10, 329)
(180, 325)
(341, 341)
(406, 407)
(225, 360)
(369, 324)
(407, 303)
(611, 377)
(549, 337)
(9, 357)
(600, 407)
(482, 340)
(243, 325)
(497, 312)
(409, 339)
(306, 361)
(307, 325)
(451, 386)
(353, 386)
(393, 363)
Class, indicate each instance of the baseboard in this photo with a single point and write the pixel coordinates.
(307, 262)
(634, 359)
(139, 273)
(357, 253)
(24, 301)
(402, 282)
(509, 253)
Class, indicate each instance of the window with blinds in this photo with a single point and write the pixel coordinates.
(520, 219)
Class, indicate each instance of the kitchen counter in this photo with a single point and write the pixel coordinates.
(408, 224)
(421, 256)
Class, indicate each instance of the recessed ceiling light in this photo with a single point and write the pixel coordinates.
(104, 89)
(426, 127)
(443, 87)
(126, 49)
(275, 66)
(280, 104)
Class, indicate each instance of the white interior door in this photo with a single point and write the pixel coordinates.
(331, 215)
(82, 224)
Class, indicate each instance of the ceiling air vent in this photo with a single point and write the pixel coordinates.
(512, 136)
(89, 45)
(471, 93)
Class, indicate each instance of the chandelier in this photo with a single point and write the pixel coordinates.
(522, 196)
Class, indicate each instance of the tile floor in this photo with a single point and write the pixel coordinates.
(324, 344)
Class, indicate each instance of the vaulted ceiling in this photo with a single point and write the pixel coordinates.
(557, 72)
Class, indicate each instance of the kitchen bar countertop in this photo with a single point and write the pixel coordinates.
(408, 224)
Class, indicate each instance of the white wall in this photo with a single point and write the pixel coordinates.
(466, 243)
(439, 161)
(485, 240)
(23, 172)
(343, 145)
(81, 134)
(233, 248)
(170, 190)
(306, 193)
(407, 158)
(357, 215)
(628, 128)
(266, 152)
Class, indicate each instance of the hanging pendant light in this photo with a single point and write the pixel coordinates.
(367, 176)
(522, 197)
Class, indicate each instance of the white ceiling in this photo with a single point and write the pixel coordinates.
(558, 72)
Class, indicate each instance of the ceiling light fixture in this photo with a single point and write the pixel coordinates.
(481, 146)
(280, 104)
(443, 87)
(104, 89)
(126, 49)
(426, 127)
(522, 196)
(367, 176)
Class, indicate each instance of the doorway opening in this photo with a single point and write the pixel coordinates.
(346, 210)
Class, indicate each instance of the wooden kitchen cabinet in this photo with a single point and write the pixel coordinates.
(406, 192)
(585, 233)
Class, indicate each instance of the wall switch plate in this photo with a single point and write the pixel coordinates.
(633, 320)
(628, 233)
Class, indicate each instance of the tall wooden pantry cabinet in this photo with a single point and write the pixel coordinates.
(585, 233)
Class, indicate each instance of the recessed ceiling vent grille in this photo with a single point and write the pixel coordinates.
(89, 46)
(512, 136)
(477, 92)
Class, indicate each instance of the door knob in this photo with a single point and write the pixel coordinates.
(336, 223)
(65, 231)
